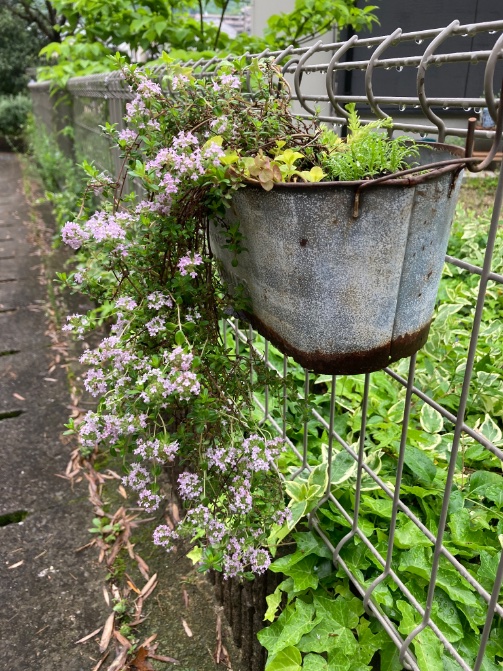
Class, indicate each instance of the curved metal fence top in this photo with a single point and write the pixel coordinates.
(418, 112)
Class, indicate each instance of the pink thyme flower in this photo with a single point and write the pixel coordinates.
(188, 263)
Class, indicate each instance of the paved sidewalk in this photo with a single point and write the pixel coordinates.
(51, 596)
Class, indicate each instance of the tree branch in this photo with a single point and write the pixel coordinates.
(224, 9)
(201, 22)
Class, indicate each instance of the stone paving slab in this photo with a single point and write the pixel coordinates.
(51, 595)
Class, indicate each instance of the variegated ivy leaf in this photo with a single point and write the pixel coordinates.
(431, 420)
(490, 430)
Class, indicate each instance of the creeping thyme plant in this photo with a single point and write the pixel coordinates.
(173, 395)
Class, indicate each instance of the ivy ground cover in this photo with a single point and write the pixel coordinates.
(317, 621)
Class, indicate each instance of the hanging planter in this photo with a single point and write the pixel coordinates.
(343, 276)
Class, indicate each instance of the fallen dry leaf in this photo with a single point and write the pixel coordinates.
(221, 655)
(16, 565)
(19, 397)
(120, 660)
(100, 663)
(86, 638)
(122, 639)
(107, 632)
(106, 596)
(163, 658)
(143, 566)
(122, 491)
(150, 585)
(188, 630)
(133, 587)
(140, 663)
(147, 642)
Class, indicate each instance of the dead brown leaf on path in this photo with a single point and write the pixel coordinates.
(140, 663)
(120, 659)
(221, 655)
(100, 663)
(87, 545)
(19, 563)
(186, 599)
(130, 549)
(19, 397)
(163, 658)
(147, 643)
(188, 630)
(107, 632)
(138, 610)
(132, 585)
(149, 586)
(91, 635)
(175, 512)
(122, 639)
(142, 566)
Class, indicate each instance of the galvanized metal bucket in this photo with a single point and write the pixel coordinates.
(343, 294)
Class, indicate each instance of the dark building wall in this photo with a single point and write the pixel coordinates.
(452, 80)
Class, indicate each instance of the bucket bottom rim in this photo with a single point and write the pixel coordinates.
(348, 363)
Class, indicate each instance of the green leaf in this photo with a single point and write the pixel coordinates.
(409, 535)
(315, 663)
(485, 484)
(428, 650)
(344, 652)
(304, 574)
(296, 620)
(298, 511)
(344, 612)
(380, 507)
(486, 572)
(446, 616)
(420, 465)
(310, 543)
(465, 536)
(368, 642)
(431, 420)
(288, 659)
(195, 555)
(336, 616)
(427, 647)
(390, 655)
(321, 638)
(316, 174)
(273, 601)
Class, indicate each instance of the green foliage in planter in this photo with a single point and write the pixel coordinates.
(475, 521)
(14, 112)
(366, 153)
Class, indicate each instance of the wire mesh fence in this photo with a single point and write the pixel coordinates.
(421, 405)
